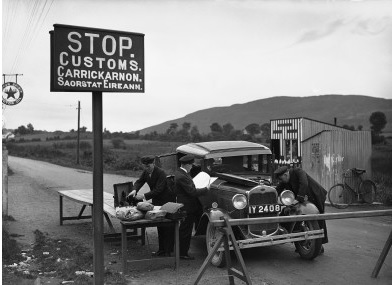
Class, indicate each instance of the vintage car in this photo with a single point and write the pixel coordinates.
(243, 190)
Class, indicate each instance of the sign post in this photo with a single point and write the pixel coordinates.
(96, 60)
(98, 188)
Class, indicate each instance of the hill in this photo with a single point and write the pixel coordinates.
(348, 109)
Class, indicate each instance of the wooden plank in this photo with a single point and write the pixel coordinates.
(85, 196)
(79, 196)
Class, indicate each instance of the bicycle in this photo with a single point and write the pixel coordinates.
(354, 186)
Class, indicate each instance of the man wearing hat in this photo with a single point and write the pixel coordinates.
(155, 177)
(298, 181)
(187, 194)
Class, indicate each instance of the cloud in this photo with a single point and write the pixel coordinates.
(373, 26)
(315, 35)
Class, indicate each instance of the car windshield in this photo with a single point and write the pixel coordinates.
(244, 165)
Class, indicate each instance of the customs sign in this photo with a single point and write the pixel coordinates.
(89, 59)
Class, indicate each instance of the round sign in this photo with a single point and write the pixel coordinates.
(12, 93)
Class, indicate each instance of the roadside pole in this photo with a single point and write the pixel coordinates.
(98, 189)
(78, 143)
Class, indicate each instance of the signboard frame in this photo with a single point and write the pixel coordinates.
(93, 59)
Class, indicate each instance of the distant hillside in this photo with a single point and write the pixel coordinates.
(348, 109)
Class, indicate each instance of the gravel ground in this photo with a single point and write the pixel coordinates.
(35, 205)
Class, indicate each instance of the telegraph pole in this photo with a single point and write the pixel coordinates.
(78, 143)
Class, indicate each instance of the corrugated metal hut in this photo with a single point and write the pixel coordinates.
(324, 150)
(326, 155)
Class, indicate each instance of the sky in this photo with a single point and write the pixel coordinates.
(201, 54)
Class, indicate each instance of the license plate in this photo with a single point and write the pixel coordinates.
(263, 209)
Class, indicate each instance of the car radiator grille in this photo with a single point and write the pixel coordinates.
(260, 198)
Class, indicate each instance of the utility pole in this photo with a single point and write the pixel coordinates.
(78, 143)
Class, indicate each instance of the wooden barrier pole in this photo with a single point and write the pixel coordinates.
(331, 216)
(243, 275)
(207, 260)
(226, 239)
(382, 257)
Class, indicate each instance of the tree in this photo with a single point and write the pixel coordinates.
(172, 129)
(351, 128)
(83, 129)
(186, 126)
(360, 127)
(253, 129)
(378, 121)
(30, 128)
(22, 130)
(266, 130)
(195, 134)
(227, 129)
(215, 127)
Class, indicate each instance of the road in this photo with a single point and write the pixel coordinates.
(350, 256)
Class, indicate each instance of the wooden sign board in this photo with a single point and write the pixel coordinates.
(89, 59)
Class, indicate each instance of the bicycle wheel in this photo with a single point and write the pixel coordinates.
(339, 196)
(367, 190)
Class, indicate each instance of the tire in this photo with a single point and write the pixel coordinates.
(339, 196)
(367, 190)
(212, 236)
(309, 249)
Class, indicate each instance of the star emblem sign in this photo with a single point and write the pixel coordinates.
(12, 93)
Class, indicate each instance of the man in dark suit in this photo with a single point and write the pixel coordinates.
(155, 177)
(187, 194)
(298, 181)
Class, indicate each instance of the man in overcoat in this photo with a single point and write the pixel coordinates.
(187, 194)
(298, 181)
(155, 177)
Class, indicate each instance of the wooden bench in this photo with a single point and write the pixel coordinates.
(85, 197)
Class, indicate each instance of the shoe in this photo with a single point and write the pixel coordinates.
(322, 250)
(186, 257)
(158, 253)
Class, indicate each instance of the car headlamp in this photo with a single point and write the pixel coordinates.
(239, 201)
(287, 197)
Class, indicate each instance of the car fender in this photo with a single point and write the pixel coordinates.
(306, 208)
(209, 215)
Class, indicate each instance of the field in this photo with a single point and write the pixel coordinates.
(119, 156)
(123, 156)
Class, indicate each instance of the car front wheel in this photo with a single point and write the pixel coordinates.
(309, 249)
(212, 236)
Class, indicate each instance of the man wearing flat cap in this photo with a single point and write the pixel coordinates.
(298, 181)
(187, 194)
(155, 177)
